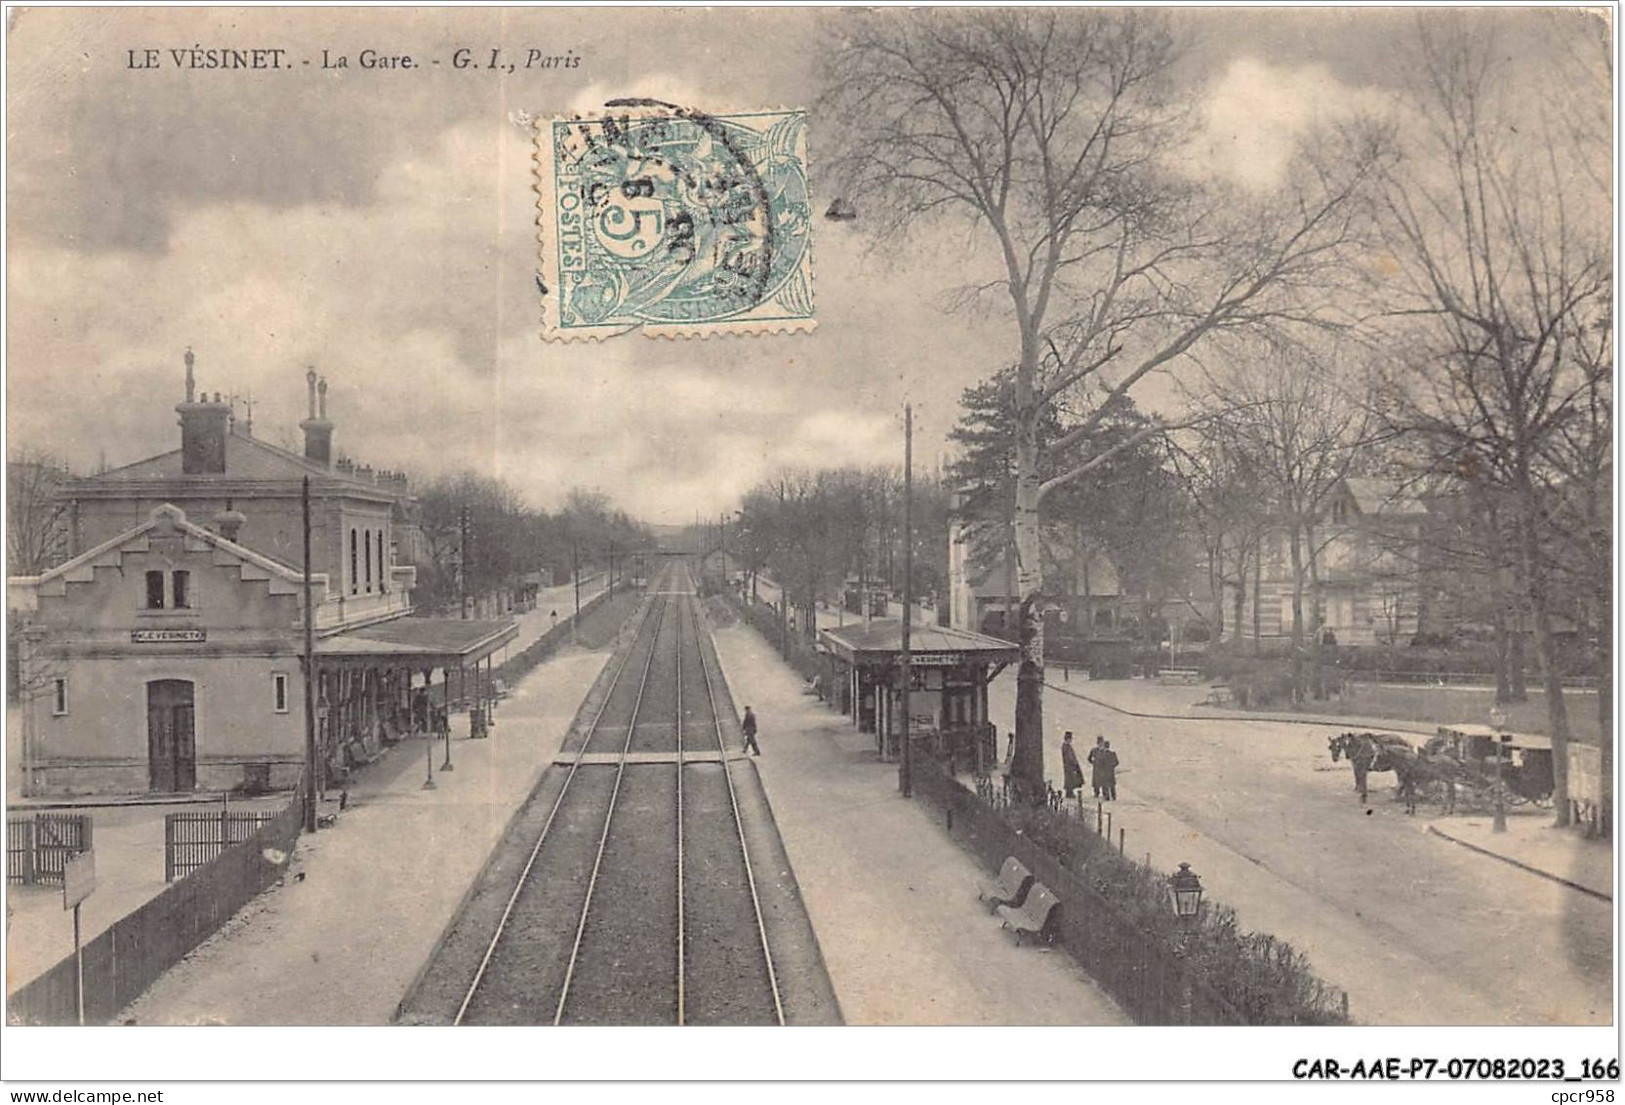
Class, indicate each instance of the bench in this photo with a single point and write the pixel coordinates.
(1182, 675)
(1034, 917)
(1010, 888)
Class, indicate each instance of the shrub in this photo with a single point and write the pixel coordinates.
(1262, 977)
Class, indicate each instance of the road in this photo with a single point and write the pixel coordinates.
(1416, 929)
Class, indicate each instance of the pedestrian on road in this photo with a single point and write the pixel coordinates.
(748, 724)
(1107, 763)
(1071, 771)
(1094, 763)
(552, 620)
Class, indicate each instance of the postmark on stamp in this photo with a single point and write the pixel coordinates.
(673, 221)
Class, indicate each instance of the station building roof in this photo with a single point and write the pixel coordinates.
(881, 641)
(418, 642)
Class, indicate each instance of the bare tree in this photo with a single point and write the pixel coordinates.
(1052, 134)
(1500, 269)
(1302, 434)
(36, 515)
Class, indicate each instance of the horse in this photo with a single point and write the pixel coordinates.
(1421, 769)
(1364, 753)
(1368, 752)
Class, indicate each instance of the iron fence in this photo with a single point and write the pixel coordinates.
(193, 838)
(38, 846)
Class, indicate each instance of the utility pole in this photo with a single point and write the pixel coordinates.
(907, 774)
(310, 673)
(462, 566)
(575, 573)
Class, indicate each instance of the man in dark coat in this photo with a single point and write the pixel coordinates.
(748, 724)
(1094, 764)
(1071, 770)
(1106, 767)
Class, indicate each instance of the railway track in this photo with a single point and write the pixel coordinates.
(637, 902)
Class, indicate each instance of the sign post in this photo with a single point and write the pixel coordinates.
(78, 881)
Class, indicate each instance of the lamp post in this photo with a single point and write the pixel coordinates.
(1185, 888)
(1498, 722)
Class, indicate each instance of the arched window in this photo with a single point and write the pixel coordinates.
(355, 579)
(366, 539)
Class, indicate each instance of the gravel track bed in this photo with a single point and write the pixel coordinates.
(727, 979)
(626, 966)
(610, 735)
(626, 971)
(522, 981)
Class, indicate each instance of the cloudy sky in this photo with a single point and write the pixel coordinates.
(380, 226)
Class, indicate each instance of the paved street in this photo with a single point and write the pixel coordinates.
(1419, 930)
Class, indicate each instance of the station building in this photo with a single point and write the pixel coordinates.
(167, 653)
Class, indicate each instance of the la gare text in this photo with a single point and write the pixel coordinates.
(501, 59)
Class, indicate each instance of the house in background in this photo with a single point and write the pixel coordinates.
(1368, 545)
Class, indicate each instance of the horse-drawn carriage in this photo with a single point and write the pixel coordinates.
(1525, 761)
(1460, 758)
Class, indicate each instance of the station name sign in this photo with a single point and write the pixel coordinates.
(168, 636)
(935, 659)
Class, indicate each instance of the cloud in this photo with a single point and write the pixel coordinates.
(1254, 115)
(420, 308)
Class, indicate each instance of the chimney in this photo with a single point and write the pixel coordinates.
(228, 523)
(318, 430)
(203, 429)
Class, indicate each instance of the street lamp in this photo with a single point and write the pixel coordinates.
(1186, 886)
(1498, 722)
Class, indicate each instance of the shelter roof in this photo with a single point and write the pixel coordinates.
(883, 638)
(425, 642)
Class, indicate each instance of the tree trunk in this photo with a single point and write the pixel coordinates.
(1503, 659)
(1027, 769)
(1295, 547)
(1241, 594)
(1258, 583)
(1605, 718)
(1517, 668)
(1545, 652)
(1315, 603)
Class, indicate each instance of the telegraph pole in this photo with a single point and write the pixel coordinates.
(575, 572)
(907, 775)
(310, 673)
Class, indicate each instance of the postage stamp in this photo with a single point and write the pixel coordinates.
(675, 222)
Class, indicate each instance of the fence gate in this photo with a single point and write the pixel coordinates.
(192, 839)
(38, 847)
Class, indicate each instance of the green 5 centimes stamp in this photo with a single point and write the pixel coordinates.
(675, 222)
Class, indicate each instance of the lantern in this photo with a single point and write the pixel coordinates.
(1186, 886)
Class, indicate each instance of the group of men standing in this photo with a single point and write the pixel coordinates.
(1102, 767)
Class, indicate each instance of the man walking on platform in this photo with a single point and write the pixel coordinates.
(748, 724)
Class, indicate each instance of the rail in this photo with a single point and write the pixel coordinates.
(609, 817)
(739, 827)
(547, 826)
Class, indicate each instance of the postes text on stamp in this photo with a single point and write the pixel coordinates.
(675, 222)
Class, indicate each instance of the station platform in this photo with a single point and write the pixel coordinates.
(892, 897)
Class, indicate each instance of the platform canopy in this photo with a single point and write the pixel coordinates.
(418, 642)
(880, 642)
